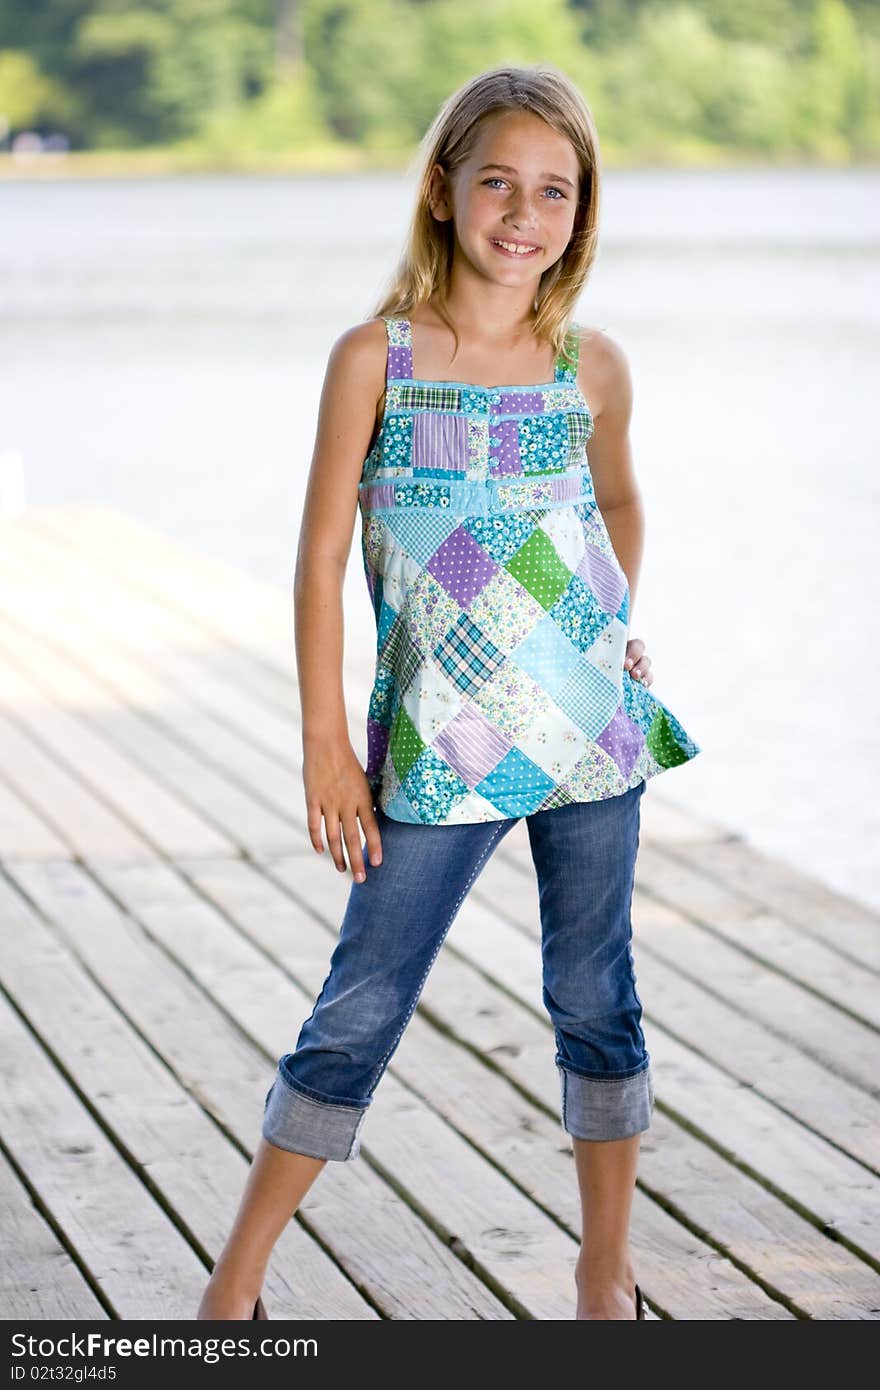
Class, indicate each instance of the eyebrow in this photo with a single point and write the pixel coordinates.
(509, 169)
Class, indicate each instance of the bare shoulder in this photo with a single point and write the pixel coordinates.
(362, 352)
(354, 381)
(603, 372)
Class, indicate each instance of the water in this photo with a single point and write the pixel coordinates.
(164, 344)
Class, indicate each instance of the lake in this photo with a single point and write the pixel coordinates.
(164, 343)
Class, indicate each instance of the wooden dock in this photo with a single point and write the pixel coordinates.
(166, 926)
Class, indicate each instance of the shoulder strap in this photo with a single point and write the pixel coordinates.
(567, 361)
(400, 363)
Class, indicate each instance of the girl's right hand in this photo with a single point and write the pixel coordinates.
(337, 792)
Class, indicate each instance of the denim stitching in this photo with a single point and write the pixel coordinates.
(310, 1100)
(490, 844)
(605, 1078)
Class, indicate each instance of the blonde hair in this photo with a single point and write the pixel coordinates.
(424, 267)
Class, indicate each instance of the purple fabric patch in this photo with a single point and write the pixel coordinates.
(563, 488)
(440, 441)
(471, 745)
(462, 566)
(622, 740)
(377, 495)
(400, 361)
(527, 402)
(377, 747)
(504, 448)
(607, 582)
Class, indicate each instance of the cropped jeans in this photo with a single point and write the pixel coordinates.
(394, 926)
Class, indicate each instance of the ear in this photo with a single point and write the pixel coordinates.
(439, 201)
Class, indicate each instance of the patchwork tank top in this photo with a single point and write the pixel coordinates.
(501, 608)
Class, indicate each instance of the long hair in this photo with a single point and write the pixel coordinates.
(424, 267)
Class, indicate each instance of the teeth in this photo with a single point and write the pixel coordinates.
(518, 250)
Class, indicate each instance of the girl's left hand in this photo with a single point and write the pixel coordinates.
(637, 662)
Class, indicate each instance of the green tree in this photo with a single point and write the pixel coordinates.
(835, 98)
(27, 96)
(667, 79)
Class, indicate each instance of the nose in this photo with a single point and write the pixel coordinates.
(522, 215)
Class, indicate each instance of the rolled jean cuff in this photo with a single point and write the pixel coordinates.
(318, 1128)
(616, 1108)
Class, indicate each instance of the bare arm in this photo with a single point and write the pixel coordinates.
(605, 378)
(335, 784)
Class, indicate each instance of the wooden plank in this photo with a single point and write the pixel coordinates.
(736, 918)
(816, 909)
(152, 719)
(42, 550)
(786, 1007)
(791, 1047)
(760, 1231)
(677, 836)
(672, 827)
(166, 1136)
(200, 803)
(477, 1205)
(71, 811)
(812, 1092)
(833, 1189)
(79, 617)
(225, 602)
(137, 797)
(846, 1048)
(453, 1082)
(24, 834)
(132, 1251)
(791, 1256)
(38, 1278)
(398, 1264)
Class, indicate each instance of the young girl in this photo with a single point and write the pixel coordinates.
(501, 567)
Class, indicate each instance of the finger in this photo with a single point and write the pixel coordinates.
(370, 828)
(334, 840)
(634, 648)
(351, 830)
(313, 820)
(642, 669)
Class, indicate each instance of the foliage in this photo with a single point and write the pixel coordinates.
(668, 80)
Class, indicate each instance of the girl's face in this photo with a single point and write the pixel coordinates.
(520, 185)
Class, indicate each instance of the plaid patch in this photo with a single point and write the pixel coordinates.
(427, 398)
(467, 655)
(588, 699)
(580, 429)
(400, 654)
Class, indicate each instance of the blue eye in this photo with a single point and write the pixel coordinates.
(496, 178)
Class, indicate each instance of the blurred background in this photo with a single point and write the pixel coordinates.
(199, 196)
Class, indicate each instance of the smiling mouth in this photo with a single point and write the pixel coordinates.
(521, 251)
